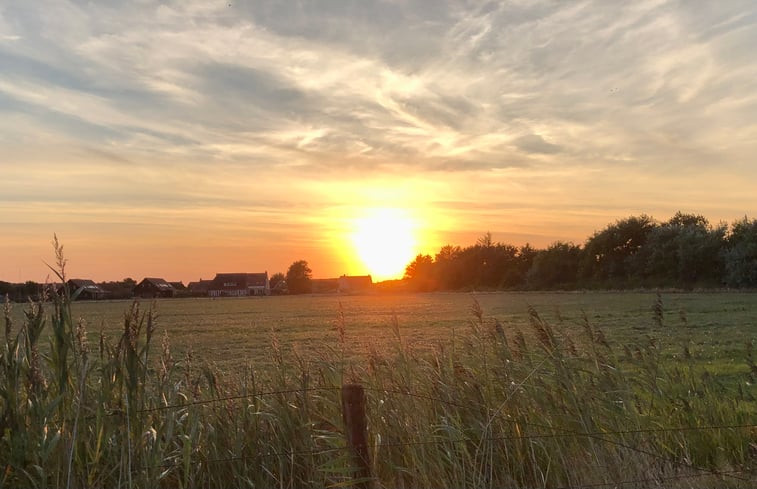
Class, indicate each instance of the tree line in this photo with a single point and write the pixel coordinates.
(30, 290)
(685, 251)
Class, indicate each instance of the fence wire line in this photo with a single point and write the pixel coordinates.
(567, 433)
(662, 458)
(702, 471)
(457, 404)
(727, 473)
(201, 402)
(597, 436)
(287, 453)
(235, 398)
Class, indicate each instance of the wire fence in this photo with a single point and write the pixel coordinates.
(556, 433)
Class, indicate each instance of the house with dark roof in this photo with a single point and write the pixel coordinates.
(180, 290)
(153, 288)
(239, 285)
(199, 288)
(85, 290)
(355, 283)
(324, 285)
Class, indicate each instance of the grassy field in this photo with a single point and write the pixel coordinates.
(463, 390)
(233, 333)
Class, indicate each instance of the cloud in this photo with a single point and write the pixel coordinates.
(383, 81)
(194, 99)
(533, 143)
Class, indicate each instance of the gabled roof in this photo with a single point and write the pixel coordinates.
(357, 279)
(256, 279)
(81, 285)
(355, 282)
(240, 280)
(81, 282)
(86, 284)
(228, 280)
(159, 283)
(200, 285)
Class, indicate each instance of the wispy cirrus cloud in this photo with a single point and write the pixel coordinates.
(561, 104)
(389, 79)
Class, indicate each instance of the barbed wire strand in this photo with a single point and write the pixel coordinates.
(429, 398)
(662, 458)
(210, 401)
(654, 479)
(566, 430)
(287, 453)
(235, 398)
(599, 436)
(455, 441)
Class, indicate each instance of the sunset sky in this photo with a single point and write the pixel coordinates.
(180, 139)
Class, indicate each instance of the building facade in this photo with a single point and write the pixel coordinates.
(154, 288)
(239, 285)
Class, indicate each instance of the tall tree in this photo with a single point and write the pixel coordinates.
(275, 279)
(299, 277)
(740, 255)
(448, 268)
(685, 251)
(608, 256)
(556, 267)
(420, 273)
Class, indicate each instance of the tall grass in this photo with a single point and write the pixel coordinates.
(493, 407)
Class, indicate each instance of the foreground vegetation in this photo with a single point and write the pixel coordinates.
(495, 406)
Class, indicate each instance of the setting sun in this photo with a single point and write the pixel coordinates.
(385, 242)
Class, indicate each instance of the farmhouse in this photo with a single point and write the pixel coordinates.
(177, 286)
(324, 285)
(84, 289)
(355, 283)
(199, 288)
(153, 288)
(239, 285)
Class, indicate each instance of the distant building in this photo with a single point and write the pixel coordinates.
(85, 290)
(355, 283)
(324, 285)
(199, 288)
(239, 285)
(153, 288)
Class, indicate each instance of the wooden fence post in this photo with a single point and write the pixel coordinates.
(356, 431)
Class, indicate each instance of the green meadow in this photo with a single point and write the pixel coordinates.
(595, 389)
(233, 333)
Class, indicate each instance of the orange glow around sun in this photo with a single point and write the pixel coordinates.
(385, 241)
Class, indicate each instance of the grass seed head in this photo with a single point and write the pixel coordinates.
(81, 338)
